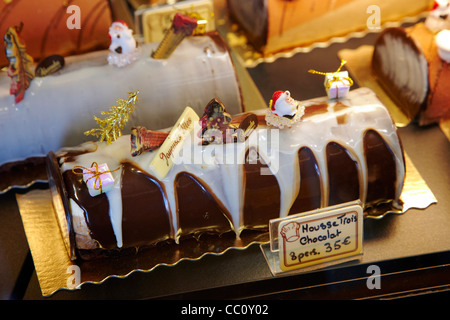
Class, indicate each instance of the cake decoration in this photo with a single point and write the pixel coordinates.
(49, 65)
(171, 147)
(438, 18)
(218, 126)
(283, 111)
(201, 21)
(143, 140)
(118, 116)
(123, 47)
(182, 26)
(19, 69)
(98, 178)
(215, 122)
(406, 62)
(279, 28)
(321, 163)
(337, 84)
(443, 45)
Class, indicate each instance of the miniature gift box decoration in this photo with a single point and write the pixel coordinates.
(283, 111)
(443, 45)
(20, 63)
(337, 84)
(98, 178)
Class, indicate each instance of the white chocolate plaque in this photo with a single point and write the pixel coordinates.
(169, 150)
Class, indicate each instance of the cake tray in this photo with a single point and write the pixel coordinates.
(55, 270)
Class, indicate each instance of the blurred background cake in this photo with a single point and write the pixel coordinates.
(277, 25)
(412, 66)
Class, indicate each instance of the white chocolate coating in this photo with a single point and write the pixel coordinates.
(57, 109)
(221, 166)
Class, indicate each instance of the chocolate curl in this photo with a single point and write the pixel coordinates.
(143, 140)
(182, 26)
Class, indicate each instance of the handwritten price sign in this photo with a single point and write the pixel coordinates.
(320, 237)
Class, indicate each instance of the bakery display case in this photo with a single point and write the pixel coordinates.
(405, 253)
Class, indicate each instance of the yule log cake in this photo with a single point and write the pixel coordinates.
(407, 64)
(338, 151)
(56, 106)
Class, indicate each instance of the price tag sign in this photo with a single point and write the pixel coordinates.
(320, 237)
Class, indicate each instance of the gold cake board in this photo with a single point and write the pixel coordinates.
(54, 267)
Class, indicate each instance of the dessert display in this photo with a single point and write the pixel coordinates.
(50, 99)
(150, 158)
(221, 173)
(411, 65)
(278, 25)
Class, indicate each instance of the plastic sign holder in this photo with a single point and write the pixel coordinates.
(315, 239)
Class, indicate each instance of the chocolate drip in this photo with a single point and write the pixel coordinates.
(96, 209)
(198, 210)
(145, 215)
(381, 168)
(343, 176)
(261, 194)
(309, 196)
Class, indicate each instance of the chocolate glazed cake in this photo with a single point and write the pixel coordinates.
(339, 152)
(406, 64)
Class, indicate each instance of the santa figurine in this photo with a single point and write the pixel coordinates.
(283, 111)
(123, 45)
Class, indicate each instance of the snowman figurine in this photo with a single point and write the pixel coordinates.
(284, 111)
(123, 48)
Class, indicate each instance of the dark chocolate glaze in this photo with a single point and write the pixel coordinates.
(198, 210)
(381, 167)
(261, 193)
(96, 209)
(310, 194)
(145, 211)
(343, 179)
